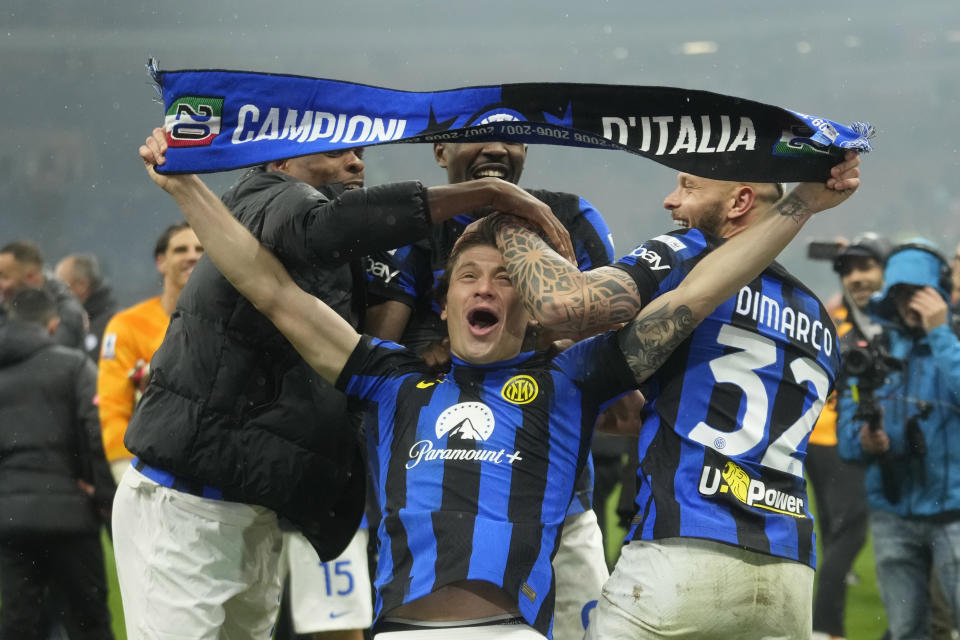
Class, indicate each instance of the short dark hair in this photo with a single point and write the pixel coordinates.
(33, 305)
(485, 235)
(24, 252)
(164, 240)
(86, 266)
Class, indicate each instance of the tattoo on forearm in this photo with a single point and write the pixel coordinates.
(649, 340)
(504, 221)
(553, 288)
(794, 207)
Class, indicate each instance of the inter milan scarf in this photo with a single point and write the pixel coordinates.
(220, 120)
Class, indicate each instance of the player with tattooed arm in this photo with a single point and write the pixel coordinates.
(515, 424)
(722, 542)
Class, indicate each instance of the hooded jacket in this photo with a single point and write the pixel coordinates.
(230, 404)
(929, 485)
(100, 307)
(73, 327)
(49, 436)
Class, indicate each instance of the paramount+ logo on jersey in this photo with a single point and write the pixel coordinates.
(193, 121)
(735, 484)
(462, 423)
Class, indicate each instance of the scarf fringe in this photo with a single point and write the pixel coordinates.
(153, 70)
(865, 131)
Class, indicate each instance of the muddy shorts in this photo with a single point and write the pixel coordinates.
(689, 588)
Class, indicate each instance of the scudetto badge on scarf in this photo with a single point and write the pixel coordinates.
(222, 120)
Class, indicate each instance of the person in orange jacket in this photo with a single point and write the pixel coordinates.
(132, 336)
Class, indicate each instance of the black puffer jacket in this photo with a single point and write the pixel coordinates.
(100, 307)
(230, 403)
(49, 436)
(72, 330)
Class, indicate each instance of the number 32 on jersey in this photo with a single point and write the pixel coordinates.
(740, 368)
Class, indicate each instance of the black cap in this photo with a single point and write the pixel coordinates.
(866, 245)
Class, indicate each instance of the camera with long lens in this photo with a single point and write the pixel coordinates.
(871, 364)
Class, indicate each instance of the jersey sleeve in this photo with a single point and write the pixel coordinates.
(592, 238)
(659, 264)
(597, 365)
(401, 275)
(376, 369)
(115, 391)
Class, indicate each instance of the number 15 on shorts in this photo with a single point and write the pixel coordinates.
(339, 575)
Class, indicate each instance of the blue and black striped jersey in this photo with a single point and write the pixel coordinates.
(474, 471)
(411, 273)
(729, 414)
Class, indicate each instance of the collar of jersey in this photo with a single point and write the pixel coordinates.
(523, 356)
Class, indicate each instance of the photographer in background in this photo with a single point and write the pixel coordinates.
(903, 420)
(838, 485)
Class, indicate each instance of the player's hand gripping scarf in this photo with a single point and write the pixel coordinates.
(220, 120)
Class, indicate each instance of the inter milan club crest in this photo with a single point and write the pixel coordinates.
(520, 390)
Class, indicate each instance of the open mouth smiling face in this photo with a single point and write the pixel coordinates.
(485, 316)
(491, 170)
(482, 321)
(475, 160)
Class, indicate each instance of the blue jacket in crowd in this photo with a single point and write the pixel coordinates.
(928, 485)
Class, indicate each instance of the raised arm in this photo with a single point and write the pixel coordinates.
(379, 207)
(561, 297)
(557, 293)
(323, 338)
(648, 340)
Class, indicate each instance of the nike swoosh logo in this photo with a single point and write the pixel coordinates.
(338, 615)
(425, 384)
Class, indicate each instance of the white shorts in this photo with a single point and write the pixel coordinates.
(191, 567)
(119, 467)
(580, 569)
(328, 596)
(691, 589)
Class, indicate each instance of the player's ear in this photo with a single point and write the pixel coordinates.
(443, 312)
(440, 154)
(744, 197)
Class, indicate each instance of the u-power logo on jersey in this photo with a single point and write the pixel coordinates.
(734, 481)
(193, 121)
